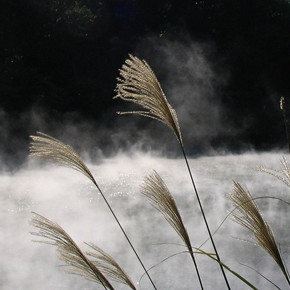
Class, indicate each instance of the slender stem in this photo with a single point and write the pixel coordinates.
(127, 238)
(203, 214)
(197, 272)
(286, 273)
(226, 267)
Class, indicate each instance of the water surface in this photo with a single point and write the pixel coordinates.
(68, 198)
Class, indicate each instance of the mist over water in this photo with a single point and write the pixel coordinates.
(193, 77)
(68, 198)
(191, 83)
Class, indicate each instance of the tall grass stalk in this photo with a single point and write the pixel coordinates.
(46, 147)
(204, 216)
(139, 84)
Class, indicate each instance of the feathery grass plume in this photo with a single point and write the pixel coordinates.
(283, 174)
(251, 218)
(51, 149)
(160, 197)
(139, 84)
(109, 266)
(69, 252)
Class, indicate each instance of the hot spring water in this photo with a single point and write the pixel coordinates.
(68, 198)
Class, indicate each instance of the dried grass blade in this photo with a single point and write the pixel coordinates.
(228, 268)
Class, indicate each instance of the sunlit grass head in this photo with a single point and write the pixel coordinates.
(48, 148)
(160, 197)
(251, 218)
(283, 174)
(138, 84)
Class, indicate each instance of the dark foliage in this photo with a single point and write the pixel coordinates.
(63, 56)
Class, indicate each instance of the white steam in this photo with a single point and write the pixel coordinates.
(193, 83)
(67, 197)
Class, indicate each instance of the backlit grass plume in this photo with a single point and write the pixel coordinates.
(251, 218)
(109, 266)
(160, 197)
(139, 84)
(283, 174)
(51, 149)
(69, 252)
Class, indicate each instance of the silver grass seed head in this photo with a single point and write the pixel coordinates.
(160, 197)
(76, 261)
(283, 174)
(48, 148)
(251, 218)
(138, 84)
(282, 103)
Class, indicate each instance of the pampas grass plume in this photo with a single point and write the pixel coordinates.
(251, 218)
(69, 252)
(138, 84)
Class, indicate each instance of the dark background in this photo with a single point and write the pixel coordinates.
(60, 59)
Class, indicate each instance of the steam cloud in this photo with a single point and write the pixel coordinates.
(67, 197)
(191, 81)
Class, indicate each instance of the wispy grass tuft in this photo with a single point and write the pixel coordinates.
(283, 174)
(48, 148)
(77, 262)
(160, 197)
(251, 218)
(138, 84)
